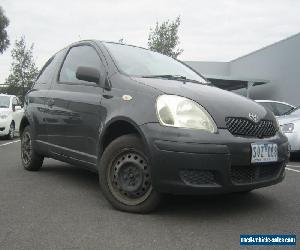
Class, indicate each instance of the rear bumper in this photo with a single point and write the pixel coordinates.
(194, 162)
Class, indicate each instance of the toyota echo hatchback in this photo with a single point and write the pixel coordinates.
(149, 125)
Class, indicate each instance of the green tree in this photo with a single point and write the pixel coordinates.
(164, 38)
(23, 71)
(4, 22)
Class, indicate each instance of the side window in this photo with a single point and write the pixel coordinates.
(14, 101)
(19, 103)
(79, 56)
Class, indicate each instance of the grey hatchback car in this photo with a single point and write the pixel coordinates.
(149, 125)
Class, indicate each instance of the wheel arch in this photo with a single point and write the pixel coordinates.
(24, 122)
(116, 128)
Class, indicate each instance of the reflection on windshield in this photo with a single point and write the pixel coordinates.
(4, 102)
(140, 62)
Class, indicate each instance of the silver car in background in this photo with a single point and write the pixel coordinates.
(278, 108)
(290, 125)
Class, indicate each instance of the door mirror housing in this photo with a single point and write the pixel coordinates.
(17, 108)
(88, 74)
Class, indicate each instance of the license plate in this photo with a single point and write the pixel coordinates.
(264, 152)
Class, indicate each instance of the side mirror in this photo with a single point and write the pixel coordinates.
(17, 108)
(88, 74)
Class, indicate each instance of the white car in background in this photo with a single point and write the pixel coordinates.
(290, 125)
(278, 108)
(11, 113)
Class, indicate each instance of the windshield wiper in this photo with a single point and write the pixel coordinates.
(173, 77)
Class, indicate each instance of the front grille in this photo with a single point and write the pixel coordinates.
(245, 127)
(255, 173)
(198, 177)
(1, 129)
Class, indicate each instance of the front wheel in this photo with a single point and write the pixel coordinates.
(11, 133)
(125, 177)
(31, 160)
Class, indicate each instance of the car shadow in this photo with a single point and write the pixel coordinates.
(217, 206)
(72, 175)
(3, 138)
(212, 206)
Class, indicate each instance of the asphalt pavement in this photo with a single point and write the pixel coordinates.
(62, 207)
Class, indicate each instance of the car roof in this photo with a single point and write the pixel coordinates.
(276, 102)
(102, 42)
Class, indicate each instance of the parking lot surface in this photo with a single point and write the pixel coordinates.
(61, 207)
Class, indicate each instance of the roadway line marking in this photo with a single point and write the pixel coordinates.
(1, 145)
(293, 166)
(298, 171)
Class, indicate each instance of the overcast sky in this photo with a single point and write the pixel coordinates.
(215, 30)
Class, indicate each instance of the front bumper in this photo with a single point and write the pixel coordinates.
(4, 127)
(188, 161)
(294, 141)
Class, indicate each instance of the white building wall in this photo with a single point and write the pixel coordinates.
(278, 63)
(210, 68)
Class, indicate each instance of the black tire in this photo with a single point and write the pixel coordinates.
(11, 133)
(124, 176)
(31, 160)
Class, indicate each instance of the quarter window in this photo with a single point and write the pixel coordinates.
(85, 56)
(46, 74)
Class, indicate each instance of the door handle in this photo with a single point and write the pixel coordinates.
(51, 103)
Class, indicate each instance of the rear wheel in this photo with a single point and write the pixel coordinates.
(125, 177)
(31, 160)
(11, 133)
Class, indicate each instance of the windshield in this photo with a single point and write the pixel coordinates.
(277, 108)
(4, 101)
(140, 62)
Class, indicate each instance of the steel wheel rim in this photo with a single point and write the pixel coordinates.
(26, 148)
(129, 177)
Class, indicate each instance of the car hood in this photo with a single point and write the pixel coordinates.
(288, 119)
(4, 111)
(219, 103)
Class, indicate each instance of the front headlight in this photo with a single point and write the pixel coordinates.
(180, 112)
(287, 128)
(3, 117)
